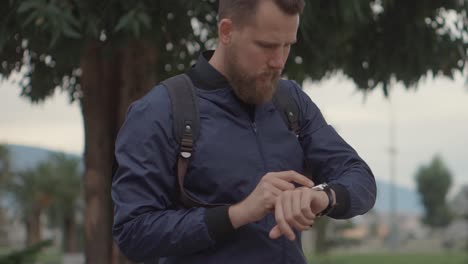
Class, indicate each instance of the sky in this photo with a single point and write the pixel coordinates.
(430, 119)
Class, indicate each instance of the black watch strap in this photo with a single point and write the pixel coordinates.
(324, 187)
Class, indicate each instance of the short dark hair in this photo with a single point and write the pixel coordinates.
(240, 11)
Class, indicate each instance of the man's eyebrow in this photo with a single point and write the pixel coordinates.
(273, 43)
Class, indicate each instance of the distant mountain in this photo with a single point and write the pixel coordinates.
(407, 200)
(25, 157)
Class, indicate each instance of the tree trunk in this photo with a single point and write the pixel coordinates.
(4, 223)
(69, 234)
(466, 245)
(112, 77)
(321, 241)
(33, 227)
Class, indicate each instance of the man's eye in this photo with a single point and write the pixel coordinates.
(266, 45)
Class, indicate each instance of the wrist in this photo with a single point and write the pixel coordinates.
(237, 216)
(323, 201)
(328, 199)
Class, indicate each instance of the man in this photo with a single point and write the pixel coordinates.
(245, 156)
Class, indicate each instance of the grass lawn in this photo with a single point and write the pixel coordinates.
(411, 258)
(48, 256)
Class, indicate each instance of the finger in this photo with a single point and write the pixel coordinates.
(269, 187)
(281, 221)
(275, 232)
(292, 176)
(270, 193)
(293, 218)
(298, 215)
(312, 224)
(276, 191)
(286, 205)
(281, 184)
(306, 209)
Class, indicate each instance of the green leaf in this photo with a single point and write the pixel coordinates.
(145, 19)
(124, 22)
(93, 29)
(53, 10)
(136, 28)
(70, 32)
(27, 5)
(55, 38)
(71, 19)
(32, 17)
(3, 39)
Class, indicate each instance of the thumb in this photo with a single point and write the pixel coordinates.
(275, 232)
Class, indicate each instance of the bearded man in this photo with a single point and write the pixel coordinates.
(246, 165)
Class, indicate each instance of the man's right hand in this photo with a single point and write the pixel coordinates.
(262, 200)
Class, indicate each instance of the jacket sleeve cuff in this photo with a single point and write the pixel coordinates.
(218, 223)
(343, 203)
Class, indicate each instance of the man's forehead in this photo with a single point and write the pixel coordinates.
(271, 34)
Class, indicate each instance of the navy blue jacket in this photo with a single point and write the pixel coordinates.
(238, 144)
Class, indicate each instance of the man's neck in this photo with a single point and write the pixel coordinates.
(217, 62)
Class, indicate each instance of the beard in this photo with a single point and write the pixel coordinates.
(254, 89)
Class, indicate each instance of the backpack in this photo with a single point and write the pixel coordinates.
(186, 125)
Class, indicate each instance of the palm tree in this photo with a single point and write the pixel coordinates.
(5, 172)
(52, 187)
(32, 191)
(67, 194)
(5, 165)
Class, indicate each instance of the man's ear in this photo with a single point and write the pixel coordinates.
(225, 28)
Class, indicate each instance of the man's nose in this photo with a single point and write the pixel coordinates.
(277, 59)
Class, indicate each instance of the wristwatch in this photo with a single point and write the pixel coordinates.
(325, 188)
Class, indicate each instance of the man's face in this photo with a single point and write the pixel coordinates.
(256, 55)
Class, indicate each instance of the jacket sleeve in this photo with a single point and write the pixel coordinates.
(330, 159)
(147, 224)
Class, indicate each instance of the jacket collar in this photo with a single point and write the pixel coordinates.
(205, 76)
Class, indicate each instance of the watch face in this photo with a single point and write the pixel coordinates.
(319, 187)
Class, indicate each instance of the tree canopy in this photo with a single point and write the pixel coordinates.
(433, 182)
(46, 38)
(460, 203)
(372, 42)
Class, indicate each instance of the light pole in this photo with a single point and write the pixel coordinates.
(392, 169)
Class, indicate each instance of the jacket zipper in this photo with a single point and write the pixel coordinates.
(262, 156)
(254, 127)
(260, 149)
